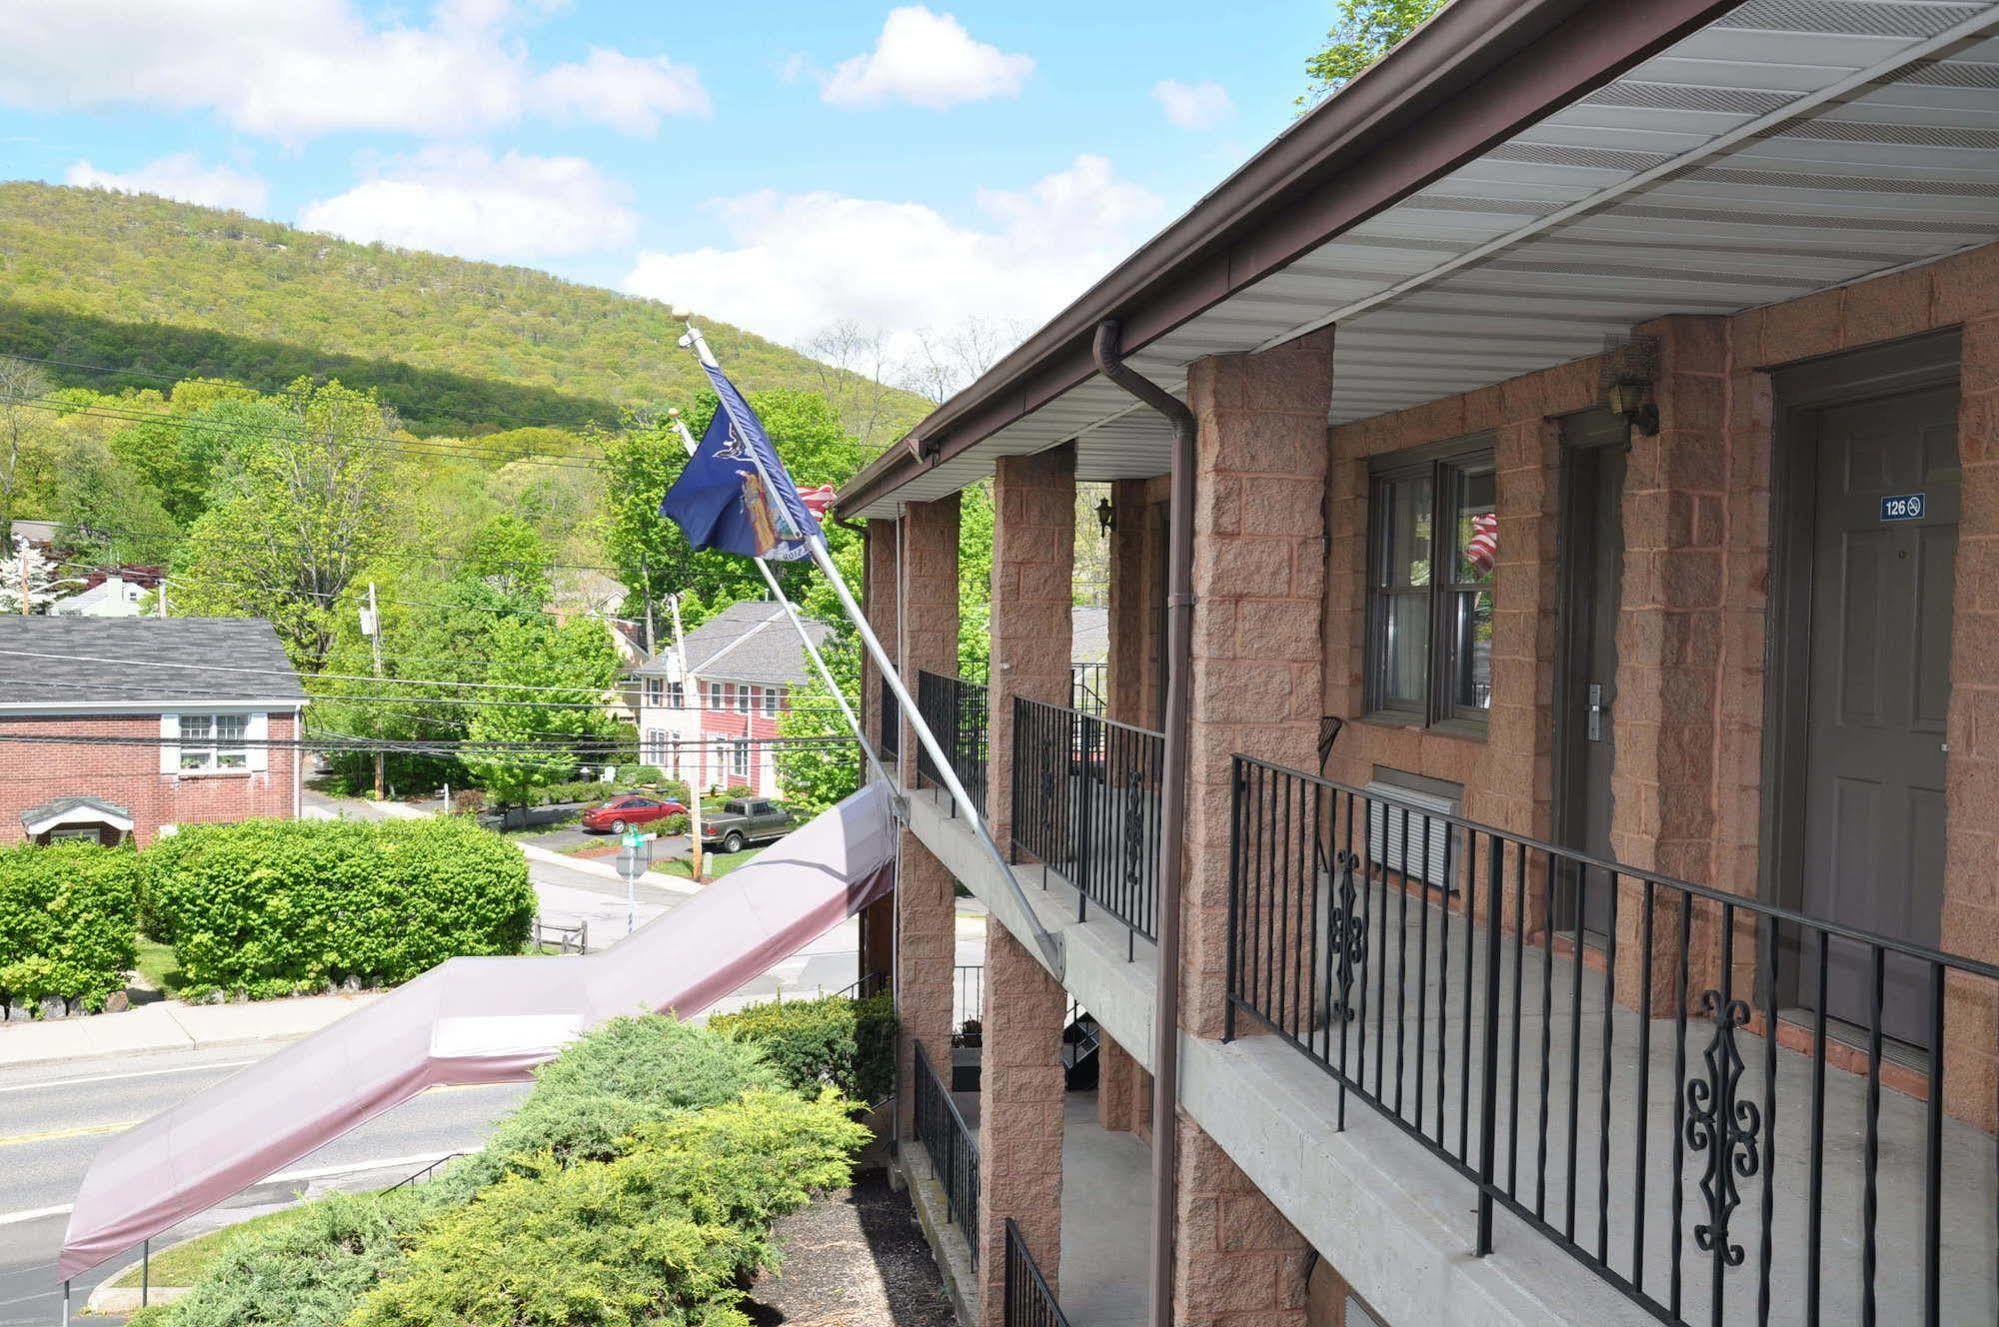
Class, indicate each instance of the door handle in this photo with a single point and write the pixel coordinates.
(1596, 710)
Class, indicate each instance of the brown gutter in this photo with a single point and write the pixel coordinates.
(1109, 359)
(1473, 77)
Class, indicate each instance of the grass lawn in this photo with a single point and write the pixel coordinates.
(184, 1264)
(714, 864)
(156, 964)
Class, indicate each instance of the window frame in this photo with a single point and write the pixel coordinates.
(211, 752)
(1445, 465)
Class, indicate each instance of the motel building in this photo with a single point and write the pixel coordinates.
(1583, 438)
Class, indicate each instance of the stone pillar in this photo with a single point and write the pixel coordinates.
(928, 618)
(1020, 1116)
(1669, 640)
(925, 907)
(1034, 560)
(1259, 581)
(1115, 1086)
(1235, 1258)
(877, 923)
(926, 949)
(1124, 689)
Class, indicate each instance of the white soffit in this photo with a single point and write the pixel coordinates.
(1789, 146)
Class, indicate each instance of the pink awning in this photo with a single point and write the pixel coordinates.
(477, 1020)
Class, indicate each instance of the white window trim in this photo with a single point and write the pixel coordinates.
(256, 732)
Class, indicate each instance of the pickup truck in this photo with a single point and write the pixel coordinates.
(744, 821)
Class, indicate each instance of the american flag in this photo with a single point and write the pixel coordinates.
(1482, 549)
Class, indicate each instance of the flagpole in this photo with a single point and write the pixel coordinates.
(1051, 948)
(798, 625)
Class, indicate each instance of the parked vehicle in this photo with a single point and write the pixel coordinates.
(744, 821)
(620, 813)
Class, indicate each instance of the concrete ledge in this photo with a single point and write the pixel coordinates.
(947, 1243)
(1394, 1220)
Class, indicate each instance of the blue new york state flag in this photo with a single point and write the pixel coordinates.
(735, 494)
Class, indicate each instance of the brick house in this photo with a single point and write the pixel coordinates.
(116, 727)
(715, 726)
(1584, 434)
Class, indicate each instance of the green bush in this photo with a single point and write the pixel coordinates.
(674, 825)
(274, 906)
(834, 1039)
(309, 1272)
(69, 921)
(624, 1074)
(666, 1234)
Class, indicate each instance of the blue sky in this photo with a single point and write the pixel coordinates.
(781, 165)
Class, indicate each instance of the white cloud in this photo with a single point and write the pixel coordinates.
(467, 202)
(294, 70)
(628, 93)
(1200, 105)
(927, 59)
(799, 263)
(180, 176)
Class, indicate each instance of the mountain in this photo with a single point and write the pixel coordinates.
(163, 290)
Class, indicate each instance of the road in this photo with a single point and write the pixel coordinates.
(53, 1121)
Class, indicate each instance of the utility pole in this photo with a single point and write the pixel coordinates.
(21, 556)
(374, 625)
(693, 785)
(645, 574)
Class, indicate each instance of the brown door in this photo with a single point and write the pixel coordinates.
(1883, 548)
(1592, 577)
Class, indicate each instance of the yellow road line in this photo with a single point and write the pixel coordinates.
(76, 1131)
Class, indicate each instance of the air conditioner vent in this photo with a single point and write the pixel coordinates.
(1428, 834)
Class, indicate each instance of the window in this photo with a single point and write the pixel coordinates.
(211, 743)
(739, 760)
(1434, 544)
(773, 700)
(674, 693)
(655, 752)
(745, 699)
(654, 690)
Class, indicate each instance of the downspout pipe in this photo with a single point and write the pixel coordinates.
(1173, 809)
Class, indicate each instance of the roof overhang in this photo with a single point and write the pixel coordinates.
(40, 820)
(1510, 186)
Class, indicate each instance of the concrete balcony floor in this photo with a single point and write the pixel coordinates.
(1106, 1213)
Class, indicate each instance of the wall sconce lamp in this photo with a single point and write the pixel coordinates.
(1626, 380)
(1106, 517)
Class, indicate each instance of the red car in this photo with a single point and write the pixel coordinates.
(619, 813)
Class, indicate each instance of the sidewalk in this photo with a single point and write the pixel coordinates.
(170, 1025)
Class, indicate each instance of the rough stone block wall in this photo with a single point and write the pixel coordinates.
(1115, 1083)
(928, 616)
(1259, 586)
(926, 948)
(1034, 559)
(883, 593)
(1129, 606)
(129, 776)
(1236, 1260)
(1021, 1107)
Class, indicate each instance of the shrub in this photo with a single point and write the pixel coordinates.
(675, 825)
(272, 906)
(665, 1234)
(622, 1075)
(637, 774)
(309, 1272)
(848, 1043)
(68, 921)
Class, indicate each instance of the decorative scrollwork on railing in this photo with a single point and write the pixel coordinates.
(1134, 829)
(1723, 1125)
(1348, 939)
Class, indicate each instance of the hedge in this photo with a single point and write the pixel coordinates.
(666, 1234)
(277, 906)
(68, 921)
(834, 1039)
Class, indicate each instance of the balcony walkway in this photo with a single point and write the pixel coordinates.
(1106, 1209)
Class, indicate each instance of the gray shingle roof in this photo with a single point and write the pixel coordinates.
(138, 660)
(749, 642)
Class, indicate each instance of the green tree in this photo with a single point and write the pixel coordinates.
(1363, 31)
(310, 502)
(975, 581)
(555, 680)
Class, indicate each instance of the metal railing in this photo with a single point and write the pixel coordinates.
(952, 1147)
(968, 998)
(1029, 1302)
(1089, 687)
(956, 712)
(891, 723)
(865, 987)
(1086, 806)
(564, 938)
(1590, 1047)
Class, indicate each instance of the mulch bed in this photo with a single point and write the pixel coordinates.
(853, 1258)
